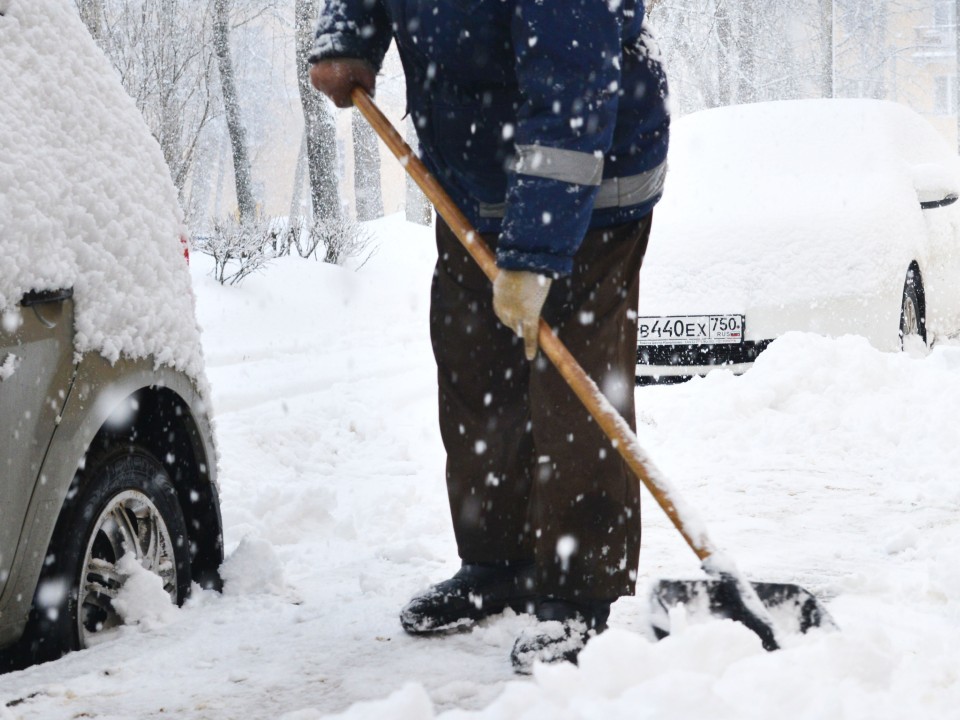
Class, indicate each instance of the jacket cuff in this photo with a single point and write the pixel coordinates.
(550, 265)
(330, 46)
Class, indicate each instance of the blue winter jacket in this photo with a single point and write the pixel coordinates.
(541, 118)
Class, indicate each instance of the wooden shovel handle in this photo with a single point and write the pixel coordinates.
(612, 423)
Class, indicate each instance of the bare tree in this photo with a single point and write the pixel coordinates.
(366, 169)
(299, 176)
(864, 51)
(318, 123)
(416, 206)
(721, 52)
(91, 12)
(826, 42)
(246, 204)
(726, 55)
(238, 249)
(748, 78)
(161, 50)
(687, 32)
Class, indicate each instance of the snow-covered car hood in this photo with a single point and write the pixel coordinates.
(784, 203)
(86, 199)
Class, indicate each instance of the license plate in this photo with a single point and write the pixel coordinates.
(690, 330)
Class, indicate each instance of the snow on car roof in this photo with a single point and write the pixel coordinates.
(86, 199)
(793, 195)
(809, 137)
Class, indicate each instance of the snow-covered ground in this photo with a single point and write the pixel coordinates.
(829, 464)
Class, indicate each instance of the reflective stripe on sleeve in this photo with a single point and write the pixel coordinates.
(577, 168)
(613, 193)
(631, 190)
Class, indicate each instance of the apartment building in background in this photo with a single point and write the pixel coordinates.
(904, 51)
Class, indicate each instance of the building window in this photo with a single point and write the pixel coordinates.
(945, 12)
(945, 95)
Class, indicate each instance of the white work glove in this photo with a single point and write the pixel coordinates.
(518, 298)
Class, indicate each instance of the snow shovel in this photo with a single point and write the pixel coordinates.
(728, 593)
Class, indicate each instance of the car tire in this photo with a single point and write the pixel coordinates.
(121, 501)
(912, 320)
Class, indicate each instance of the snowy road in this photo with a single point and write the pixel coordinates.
(828, 464)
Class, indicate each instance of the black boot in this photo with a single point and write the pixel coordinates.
(476, 591)
(563, 630)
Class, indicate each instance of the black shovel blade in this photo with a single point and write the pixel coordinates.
(792, 608)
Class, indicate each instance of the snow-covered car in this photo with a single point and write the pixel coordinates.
(828, 216)
(106, 450)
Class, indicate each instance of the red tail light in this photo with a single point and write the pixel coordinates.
(186, 248)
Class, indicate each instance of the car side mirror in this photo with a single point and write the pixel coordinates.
(936, 185)
(942, 202)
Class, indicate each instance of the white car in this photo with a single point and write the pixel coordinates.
(827, 216)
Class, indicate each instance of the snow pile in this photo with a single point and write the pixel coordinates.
(252, 568)
(409, 703)
(717, 671)
(839, 392)
(85, 195)
(142, 599)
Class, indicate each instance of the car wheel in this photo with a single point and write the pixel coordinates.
(120, 503)
(913, 328)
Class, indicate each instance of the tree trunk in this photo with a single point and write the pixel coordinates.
(366, 169)
(747, 80)
(318, 123)
(221, 174)
(726, 71)
(246, 205)
(416, 207)
(826, 48)
(299, 175)
(91, 12)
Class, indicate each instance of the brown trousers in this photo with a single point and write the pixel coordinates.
(530, 476)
